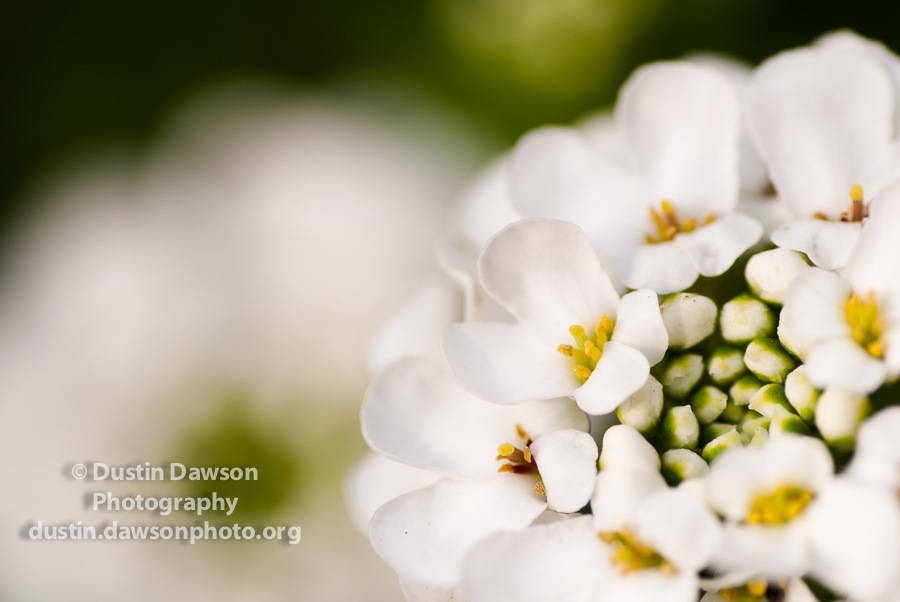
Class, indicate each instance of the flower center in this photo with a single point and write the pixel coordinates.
(858, 211)
(779, 506)
(587, 349)
(667, 224)
(758, 589)
(519, 461)
(630, 554)
(866, 323)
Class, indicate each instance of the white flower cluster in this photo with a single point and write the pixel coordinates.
(754, 452)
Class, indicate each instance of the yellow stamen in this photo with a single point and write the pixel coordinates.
(506, 450)
(666, 224)
(757, 587)
(866, 323)
(582, 372)
(858, 211)
(587, 350)
(630, 554)
(566, 350)
(506, 468)
(539, 488)
(727, 593)
(779, 506)
(856, 193)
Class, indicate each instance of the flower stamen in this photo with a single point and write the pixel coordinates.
(667, 225)
(630, 554)
(779, 506)
(517, 460)
(866, 323)
(587, 350)
(858, 211)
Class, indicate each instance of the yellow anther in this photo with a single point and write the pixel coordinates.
(856, 193)
(566, 350)
(727, 593)
(630, 554)
(526, 453)
(757, 587)
(506, 468)
(521, 432)
(779, 506)
(506, 450)
(689, 225)
(539, 488)
(866, 323)
(858, 211)
(876, 349)
(710, 218)
(666, 224)
(605, 324)
(592, 351)
(667, 207)
(582, 372)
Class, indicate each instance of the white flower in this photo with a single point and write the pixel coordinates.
(658, 200)
(574, 336)
(506, 464)
(848, 324)
(824, 121)
(644, 543)
(764, 494)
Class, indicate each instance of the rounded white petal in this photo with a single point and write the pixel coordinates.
(828, 244)
(770, 273)
(680, 528)
(415, 412)
(620, 372)
(796, 460)
(663, 267)
(538, 418)
(651, 586)
(624, 447)
(376, 480)
(814, 306)
(683, 124)
(842, 363)
(425, 535)
(776, 552)
(506, 363)
(714, 248)
(838, 414)
(816, 139)
(617, 494)
(567, 461)
(855, 537)
(426, 593)
(558, 562)
(546, 273)
(875, 263)
(415, 328)
(640, 325)
(485, 206)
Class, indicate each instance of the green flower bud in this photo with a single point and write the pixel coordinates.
(744, 389)
(728, 440)
(802, 395)
(681, 375)
(681, 464)
(714, 430)
(708, 403)
(679, 428)
(688, 318)
(787, 422)
(733, 413)
(838, 416)
(745, 318)
(643, 408)
(768, 360)
(768, 398)
(726, 365)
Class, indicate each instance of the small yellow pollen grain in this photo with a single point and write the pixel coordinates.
(856, 193)
(506, 450)
(606, 324)
(667, 207)
(539, 488)
(757, 587)
(506, 468)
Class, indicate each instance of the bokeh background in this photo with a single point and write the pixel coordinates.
(206, 210)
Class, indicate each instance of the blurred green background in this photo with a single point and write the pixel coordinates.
(75, 74)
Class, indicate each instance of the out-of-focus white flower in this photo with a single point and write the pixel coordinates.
(827, 151)
(545, 273)
(849, 324)
(646, 542)
(507, 463)
(765, 494)
(678, 161)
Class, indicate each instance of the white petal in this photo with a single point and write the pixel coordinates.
(652, 586)
(538, 418)
(683, 123)
(620, 372)
(415, 328)
(426, 593)
(878, 437)
(415, 412)
(485, 206)
(795, 460)
(680, 528)
(546, 273)
(875, 263)
(617, 494)
(775, 552)
(640, 325)
(855, 536)
(506, 363)
(828, 244)
(735, 476)
(814, 306)
(714, 248)
(556, 172)
(567, 461)
(425, 535)
(663, 267)
(549, 563)
(376, 480)
(818, 140)
(624, 447)
(844, 364)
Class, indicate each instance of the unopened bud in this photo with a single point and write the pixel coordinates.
(728, 440)
(802, 395)
(726, 365)
(745, 318)
(771, 272)
(681, 375)
(708, 403)
(679, 428)
(768, 360)
(681, 464)
(643, 408)
(688, 318)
